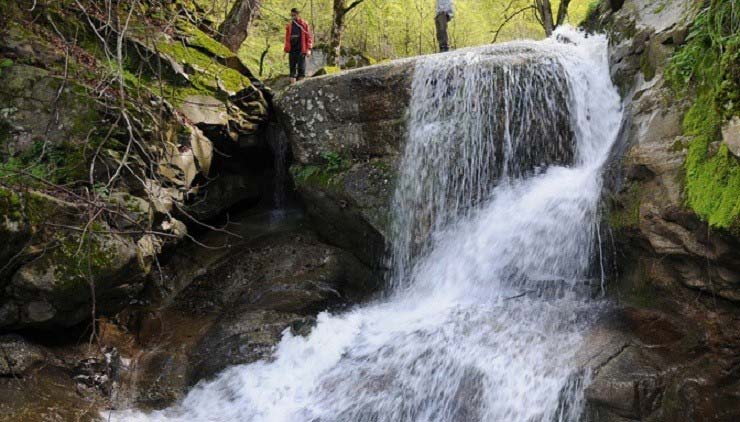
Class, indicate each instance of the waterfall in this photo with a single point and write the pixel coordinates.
(278, 143)
(495, 219)
(478, 119)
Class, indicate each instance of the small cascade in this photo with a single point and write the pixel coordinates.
(498, 194)
(478, 119)
(278, 143)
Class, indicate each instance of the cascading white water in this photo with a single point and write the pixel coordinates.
(498, 195)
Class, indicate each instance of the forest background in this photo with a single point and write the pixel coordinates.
(386, 29)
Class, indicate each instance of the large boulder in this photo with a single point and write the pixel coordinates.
(649, 365)
(56, 272)
(348, 132)
(232, 305)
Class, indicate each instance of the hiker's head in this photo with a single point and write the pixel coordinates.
(295, 13)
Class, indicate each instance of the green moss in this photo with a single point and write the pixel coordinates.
(79, 260)
(328, 70)
(206, 68)
(713, 184)
(199, 39)
(4, 64)
(57, 163)
(38, 208)
(647, 68)
(678, 146)
(706, 69)
(626, 214)
(10, 205)
(381, 166)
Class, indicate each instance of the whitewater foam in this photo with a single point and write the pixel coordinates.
(490, 215)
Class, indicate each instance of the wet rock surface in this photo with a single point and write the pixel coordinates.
(232, 305)
(51, 382)
(346, 133)
(212, 308)
(651, 365)
(674, 356)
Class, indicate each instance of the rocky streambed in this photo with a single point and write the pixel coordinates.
(668, 349)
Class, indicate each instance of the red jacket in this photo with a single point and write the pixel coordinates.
(306, 37)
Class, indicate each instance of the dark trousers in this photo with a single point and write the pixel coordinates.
(441, 21)
(297, 64)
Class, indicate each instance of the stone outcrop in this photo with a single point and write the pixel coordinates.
(232, 305)
(90, 196)
(677, 280)
(346, 133)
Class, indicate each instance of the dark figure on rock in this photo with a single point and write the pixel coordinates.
(298, 44)
(443, 17)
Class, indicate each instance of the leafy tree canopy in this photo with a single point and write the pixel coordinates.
(387, 29)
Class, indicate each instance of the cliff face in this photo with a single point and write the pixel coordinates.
(677, 277)
(657, 202)
(119, 129)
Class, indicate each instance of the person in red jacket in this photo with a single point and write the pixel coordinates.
(298, 44)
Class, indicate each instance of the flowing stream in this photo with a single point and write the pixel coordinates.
(494, 255)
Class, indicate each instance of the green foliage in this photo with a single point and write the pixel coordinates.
(326, 174)
(333, 161)
(593, 7)
(5, 63)
(384, 29)
(707, 67)
(56, 163)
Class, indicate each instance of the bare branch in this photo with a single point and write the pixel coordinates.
(352, 6)
(507, 20)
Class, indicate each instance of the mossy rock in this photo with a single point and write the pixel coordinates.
(625, 213)
(704, 70)
(327, 70)
(56, 288)
(53, 267)
(46, 125)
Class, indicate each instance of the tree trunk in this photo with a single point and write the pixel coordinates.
(234, 30)
(544, 11)
(562, 12)
(337, 29)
